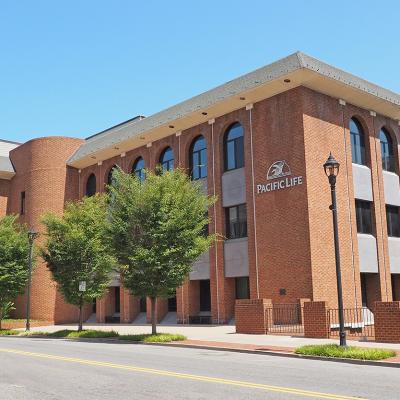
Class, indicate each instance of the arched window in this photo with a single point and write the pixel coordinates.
(198, 158)
(388, 163)
(110, 178)
(167, 159)
(138, 168)
(91, 185)
(234, 147)
(357, 142)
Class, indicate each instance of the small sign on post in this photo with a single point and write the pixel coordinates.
(82, 286)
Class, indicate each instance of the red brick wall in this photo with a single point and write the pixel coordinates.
(4, 195)
(42, 173)
(387, 322)
(250, 316)
(316, 320)
(129, 306)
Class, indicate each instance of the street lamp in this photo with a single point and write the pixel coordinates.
(331, 168)
(32, 235)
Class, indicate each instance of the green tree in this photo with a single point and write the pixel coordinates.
(14, 269)
(78, 250)
(157, 228)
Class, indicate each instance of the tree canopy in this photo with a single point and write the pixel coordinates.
(78, 250)
(14, 266)
(158, 230)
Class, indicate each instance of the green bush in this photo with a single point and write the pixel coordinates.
(336, 351)
(157, 338)
(8, 332)
(66, 333)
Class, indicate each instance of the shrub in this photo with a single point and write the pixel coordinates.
(336, 351)
(158, 338)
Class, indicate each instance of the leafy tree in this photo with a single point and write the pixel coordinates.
(14, 268)
(77, 250)
(157, 229)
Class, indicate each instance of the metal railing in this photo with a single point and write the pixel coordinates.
(285, 319)
(358, 322)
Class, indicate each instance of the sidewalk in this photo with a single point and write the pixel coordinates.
(221, 336)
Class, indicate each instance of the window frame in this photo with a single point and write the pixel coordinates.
(364, 217)
(357, 142)
(236, 229)
(238, 148)
(139, 172)
(91, 176)
(393, 227)
(167, 165)
(201, 169)
(387, 151)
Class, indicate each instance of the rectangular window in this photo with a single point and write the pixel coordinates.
(364, 217)
(22, 207)
(236, 222)
(242, 287)
(393, 221)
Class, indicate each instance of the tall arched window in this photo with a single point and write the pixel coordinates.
(357, 139)
(110, 175)
(91, 185)
(198, 158)
(234, 147)
(167, 159)
(138, 168)
(387, 153)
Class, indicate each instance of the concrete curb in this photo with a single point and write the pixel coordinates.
(227, 349)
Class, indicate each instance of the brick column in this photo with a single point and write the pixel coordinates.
(161, 309)
(101, 310)
(387, 321)
(316, 320)
(301, 305)
(250, 316)
(130, 306)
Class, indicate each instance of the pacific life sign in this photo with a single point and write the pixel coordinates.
(279, 177)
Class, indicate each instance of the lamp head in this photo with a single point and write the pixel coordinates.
(331, 166)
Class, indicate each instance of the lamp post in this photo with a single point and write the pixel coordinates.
(331, 168)
(32, 235)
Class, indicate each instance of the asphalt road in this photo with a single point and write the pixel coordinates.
(42, 369)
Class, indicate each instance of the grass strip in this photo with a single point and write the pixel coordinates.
(336, 351)
(158, 338)
(8, 332)
(95, 334)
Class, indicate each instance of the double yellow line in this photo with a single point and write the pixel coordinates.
(131, 368)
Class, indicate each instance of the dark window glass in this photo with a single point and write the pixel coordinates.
(110, 179)
(364, 292)
(167, 159)
(388, 162)
(22, 207)
(357, 143)
(393, 221)
(91, 185)
(236, 222)
(138, 169)
(242, 287)
(234, 147)
(198, 158)
(364, 217)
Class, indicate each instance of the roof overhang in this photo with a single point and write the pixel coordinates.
(6, 168)
(299, 69)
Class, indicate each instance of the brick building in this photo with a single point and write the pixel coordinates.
(258, 143)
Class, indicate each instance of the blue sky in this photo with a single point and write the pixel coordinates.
(74, 68)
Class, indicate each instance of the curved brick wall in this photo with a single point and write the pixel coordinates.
(41, 172)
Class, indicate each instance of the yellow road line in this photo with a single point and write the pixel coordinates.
(270, 388)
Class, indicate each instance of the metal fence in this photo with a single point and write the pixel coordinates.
(358, 322)
(285, 319)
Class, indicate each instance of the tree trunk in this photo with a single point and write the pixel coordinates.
(80, 318)
(1, 316)
(153, 315)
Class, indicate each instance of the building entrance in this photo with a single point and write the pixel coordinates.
(205, 295)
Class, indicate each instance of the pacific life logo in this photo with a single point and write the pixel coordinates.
(279, 176)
